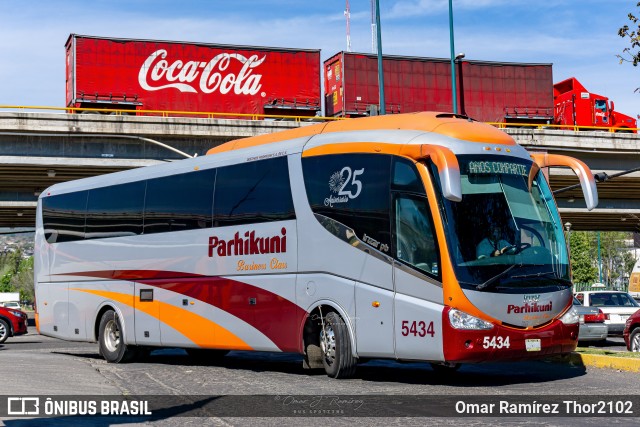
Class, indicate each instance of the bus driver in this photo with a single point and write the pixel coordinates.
(493, 245)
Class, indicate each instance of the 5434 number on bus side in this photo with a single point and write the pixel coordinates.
(417, 328)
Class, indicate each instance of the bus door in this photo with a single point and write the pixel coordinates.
(374, 306)
(416, 270)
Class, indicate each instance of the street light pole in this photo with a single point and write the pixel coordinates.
(380, 69)
(454, 96)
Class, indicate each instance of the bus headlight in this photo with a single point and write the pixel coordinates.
(461, 320)
(571, 317)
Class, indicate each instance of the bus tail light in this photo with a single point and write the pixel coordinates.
(571, 317)
(461, 320)
(595, 318)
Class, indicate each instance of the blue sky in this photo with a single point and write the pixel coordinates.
(578, 37)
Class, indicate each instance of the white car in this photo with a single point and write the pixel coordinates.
(12, 304)
(617, 307)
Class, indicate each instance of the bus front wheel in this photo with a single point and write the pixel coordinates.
(335, 344)
(111, 341)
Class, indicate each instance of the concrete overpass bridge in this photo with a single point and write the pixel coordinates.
(40, 149)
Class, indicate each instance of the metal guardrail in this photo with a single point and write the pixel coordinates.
(171, 113)
(574, 128)
(221, 115)
(585, 287)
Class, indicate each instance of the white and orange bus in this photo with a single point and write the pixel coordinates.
(342, 241)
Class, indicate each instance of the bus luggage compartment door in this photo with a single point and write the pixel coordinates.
(147, 315)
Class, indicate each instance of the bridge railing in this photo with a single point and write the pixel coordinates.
(169, 113)
(225, 115)
(574, 128)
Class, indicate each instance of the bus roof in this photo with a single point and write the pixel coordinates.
(447, 124)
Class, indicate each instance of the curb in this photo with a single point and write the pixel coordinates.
(602, 361)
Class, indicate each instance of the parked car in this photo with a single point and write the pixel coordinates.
(592, 326)
(12, 304)
(617, 307)
(12, 322)
(632, 332)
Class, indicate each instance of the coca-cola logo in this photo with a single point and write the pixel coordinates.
(157, 73)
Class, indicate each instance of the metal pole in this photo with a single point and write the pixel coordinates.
(380, 70)
(599, 261)
(454, 96)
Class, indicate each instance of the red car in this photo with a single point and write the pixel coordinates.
(632, 332)
(12, 322)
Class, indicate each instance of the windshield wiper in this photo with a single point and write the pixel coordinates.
(491, 281)
(553, 274)
(540, 274)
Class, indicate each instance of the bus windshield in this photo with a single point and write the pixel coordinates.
(504, 235)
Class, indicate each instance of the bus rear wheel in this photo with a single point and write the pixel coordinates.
(337, 357)
(111, 339)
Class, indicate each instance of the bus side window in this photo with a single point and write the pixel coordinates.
(405, 177)
(179, 202)
(253, 192)
(63, 216)
(115, 211)
(352, 190)
(414, 235)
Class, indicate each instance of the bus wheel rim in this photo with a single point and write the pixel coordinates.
(328, 344)
(112, 336)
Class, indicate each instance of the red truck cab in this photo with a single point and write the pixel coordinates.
(576, 106)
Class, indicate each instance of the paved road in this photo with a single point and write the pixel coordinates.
(34, 364)
(611, 343)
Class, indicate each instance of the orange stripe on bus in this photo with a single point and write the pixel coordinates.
(199, 330)
(269, 138)
(354, 147)
(453, 127)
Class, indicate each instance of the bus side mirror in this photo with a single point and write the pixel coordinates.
(448, 170)
(445, 161)
(582, 171)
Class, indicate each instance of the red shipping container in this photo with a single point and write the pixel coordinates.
(487, 91)
(180, 76)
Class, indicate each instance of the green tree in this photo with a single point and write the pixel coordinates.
(9, 265)
(616, 256)
(631, 54)
(583, 268)
(5, 283)
(22, 281)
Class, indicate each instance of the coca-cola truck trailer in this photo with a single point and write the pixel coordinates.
(502, 92)
(128, 74)
(576, 106)
(485, 89)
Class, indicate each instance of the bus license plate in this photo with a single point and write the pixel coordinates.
(532, 345)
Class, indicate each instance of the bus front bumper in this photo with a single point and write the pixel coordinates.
(505, 343)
